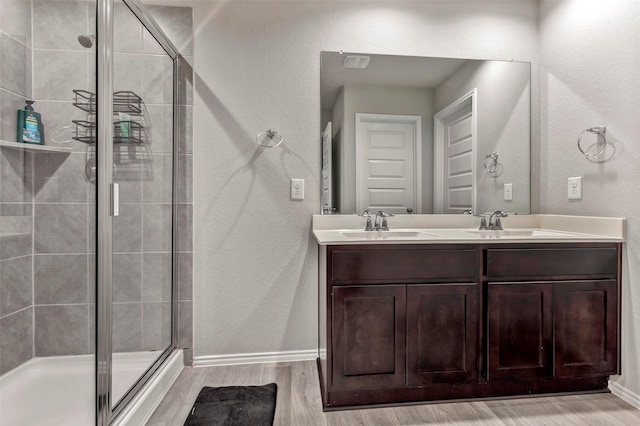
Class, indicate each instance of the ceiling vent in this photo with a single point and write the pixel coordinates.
(356, 61)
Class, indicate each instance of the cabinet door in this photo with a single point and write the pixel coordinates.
(520, 330)
(586, 328)
(442, 333)
(368, 337)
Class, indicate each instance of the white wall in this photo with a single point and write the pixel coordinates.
(503, 126)
(590, 75)
(257, 67)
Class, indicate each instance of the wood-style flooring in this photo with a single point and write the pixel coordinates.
(299, 403)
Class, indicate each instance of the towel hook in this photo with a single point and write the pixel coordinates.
(599, 131)
(491, 165)
(269, 139)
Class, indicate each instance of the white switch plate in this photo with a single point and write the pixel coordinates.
(574, 188)
(508, 192)
(297, 189)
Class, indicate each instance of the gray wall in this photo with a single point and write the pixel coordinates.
(579, 91)
(48, 199)
(257, 68)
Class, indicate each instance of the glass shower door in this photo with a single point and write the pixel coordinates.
(47, 215)
(143, 179)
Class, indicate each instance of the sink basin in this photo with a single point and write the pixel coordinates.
(386, 234)
(520, 233)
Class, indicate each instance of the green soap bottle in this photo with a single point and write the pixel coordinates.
(30, 129)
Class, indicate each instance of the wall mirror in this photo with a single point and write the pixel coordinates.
(424, 135)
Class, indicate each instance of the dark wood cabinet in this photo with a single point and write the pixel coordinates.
(406, 323)
(520, 319)
(586, 336)
(559, 329)
(442, 333)
(369, 337)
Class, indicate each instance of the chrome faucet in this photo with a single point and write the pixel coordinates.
(496, 225)
(382, 225)
(368, 226)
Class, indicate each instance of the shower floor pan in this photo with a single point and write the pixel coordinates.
(61, 390)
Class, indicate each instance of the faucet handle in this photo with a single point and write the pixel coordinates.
(367, 214)
(483, 223)
(368, 226)
(385, 214)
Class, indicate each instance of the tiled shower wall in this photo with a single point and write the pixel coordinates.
(47, 276)
(16, 249)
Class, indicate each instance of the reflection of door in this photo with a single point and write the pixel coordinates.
(388, 171)
(455, 156)
(325, 197)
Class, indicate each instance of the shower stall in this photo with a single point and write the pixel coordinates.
(95, 222)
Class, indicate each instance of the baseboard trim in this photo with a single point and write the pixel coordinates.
(254, 358)
(625, 394)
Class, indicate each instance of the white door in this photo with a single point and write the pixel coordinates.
(325, 197)
(388, 171)
(455, 157)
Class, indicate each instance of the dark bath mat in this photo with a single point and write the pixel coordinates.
(234, 406)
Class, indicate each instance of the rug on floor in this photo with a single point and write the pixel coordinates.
(234, 406)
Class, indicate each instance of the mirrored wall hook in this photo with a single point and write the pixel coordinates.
(491, 165)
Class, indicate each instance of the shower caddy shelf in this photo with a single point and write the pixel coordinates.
(33, 147)
(132, 153)
(123, 102)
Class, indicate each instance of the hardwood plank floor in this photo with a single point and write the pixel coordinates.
(299, 403)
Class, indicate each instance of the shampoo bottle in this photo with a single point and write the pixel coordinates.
(30, 129)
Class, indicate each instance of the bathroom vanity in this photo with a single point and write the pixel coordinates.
(439, 313)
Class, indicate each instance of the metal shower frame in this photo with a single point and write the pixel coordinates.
(105, 413)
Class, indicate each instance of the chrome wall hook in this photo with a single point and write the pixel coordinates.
(600, 132)
(269, 139)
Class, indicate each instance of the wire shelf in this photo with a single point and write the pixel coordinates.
(125, 104)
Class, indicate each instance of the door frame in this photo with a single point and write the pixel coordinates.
(416, 121)
(106, 410)
(439, 119)
(326, 195)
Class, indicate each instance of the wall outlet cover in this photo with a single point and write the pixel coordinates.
(297, 189)
(574, 188)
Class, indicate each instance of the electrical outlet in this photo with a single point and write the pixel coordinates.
(574, 188)
(297, 189)
(508, 192)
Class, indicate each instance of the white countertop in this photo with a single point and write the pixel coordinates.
(442, 229)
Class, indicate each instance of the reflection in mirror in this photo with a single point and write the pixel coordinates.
(424, 135)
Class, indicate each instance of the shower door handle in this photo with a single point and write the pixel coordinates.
(115, 199)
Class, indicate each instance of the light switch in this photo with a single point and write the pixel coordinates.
(508, 192)
(297, 189)
(574, 188)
